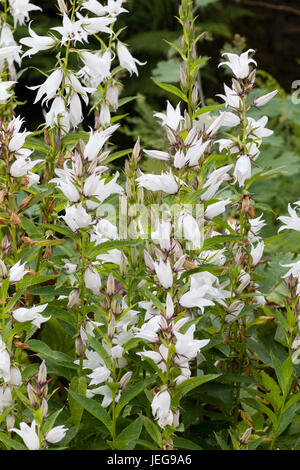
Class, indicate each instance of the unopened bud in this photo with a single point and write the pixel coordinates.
(10, 422)
(116, 308)
(47, 138)
(187, 120)
(5, 245)
(3, 195)
(136, 150)
(110, 285)
(127, 168)
(44, 408)
(74, 298)
(148, 260)
(195, 95)
(171, 137)
(112, 96)
(125, 379)
(123, 264)
(42, 375)
(77, 164)
(62, 6)
(15, 219)
(128, 189)
(179, 263)
(31, 395)
(111, 328)
(25, 201)
(134, 256)
(183, 79)
(79, 346)
(246, 436)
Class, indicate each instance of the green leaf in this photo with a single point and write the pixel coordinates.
(188, 385)
(59, 357)
(206, 109)
(78, 385)
(219, 239)
(273, 393)
(128, 395)
(11, 442)
(131, 434)
(171, 89)
(93, 408)
(182, 443)
(153, 430)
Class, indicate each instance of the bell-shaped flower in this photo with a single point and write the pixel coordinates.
(162, 235)
(94, 7)
(187, 347)
(127, 60)
(17, 272)
(58, 115)
(158, 154)
(49, 87)
(4, 362)
(32, 314)
(36, 43)
(164, 273)
(292, 222)
(99, 375)
(231, 97)
(20, 10)
(96, 67)
(70, 30)
(257, 129)
(15, 377)
(6, 400)
(21, 166)
(161, 408)
(196, 151)
(257, 252)
(96, 25)
(189, 228)
(239, 64)
(4, 93)
(242, 171)
(56, 434)
(215, 209)
(76, 217)
(29, 435)
(92, 280)
(172, 118)
(164, 182)
(96, 141)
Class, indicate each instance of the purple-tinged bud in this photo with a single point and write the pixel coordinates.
(31, 395)
(179, 263)
(116, 307)
(42, 375)
(77, 164)
(195, 95)
(171, 137)
(183, 79)
(148, 260)
(111, 328)
(44, 408)
(79, 346)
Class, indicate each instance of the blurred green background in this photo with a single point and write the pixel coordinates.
(272, 28)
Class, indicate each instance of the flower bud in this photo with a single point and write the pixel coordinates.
(44, 408)
(15, 377)
(42, 375)
(111, 328)
(125, 379)
(79, 346)
(10, 422)
(110, 285)
(31, 395)
(62, 6)
(112, 96)
(136, 150)
(74, 298)
(195, 96)
(183, 79)
(116, 308)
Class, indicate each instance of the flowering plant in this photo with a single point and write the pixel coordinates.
(134, 296)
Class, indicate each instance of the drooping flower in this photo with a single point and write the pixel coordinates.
(239, 64)
(56, 434)
(127, 60)
(36, 43)
(31, 314)
(29, 435)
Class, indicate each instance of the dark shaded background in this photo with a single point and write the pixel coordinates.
(272, 28)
